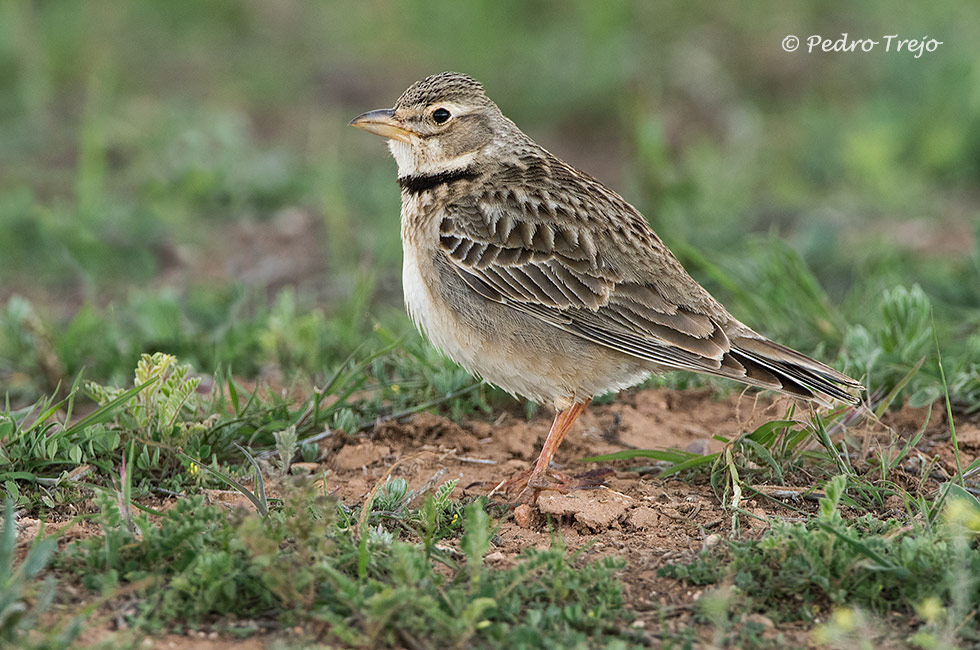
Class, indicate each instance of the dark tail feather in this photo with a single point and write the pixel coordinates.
(766, 364)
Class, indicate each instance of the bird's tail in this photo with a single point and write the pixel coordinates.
(764, 363)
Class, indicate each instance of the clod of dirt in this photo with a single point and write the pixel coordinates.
(894, 502)
(644, 518)
(353, 457)
(428, 428)
(700, 447)
(304, 468)
(760, 520)
(593, 509)
(968, 435)
(763, 621)
(232, 498)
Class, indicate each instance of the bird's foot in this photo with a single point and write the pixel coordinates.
(528, 487)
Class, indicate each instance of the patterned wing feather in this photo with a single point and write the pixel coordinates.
(611, 281)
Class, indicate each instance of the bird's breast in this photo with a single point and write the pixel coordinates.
(420, 241)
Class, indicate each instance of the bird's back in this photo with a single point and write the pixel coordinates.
(535, 234)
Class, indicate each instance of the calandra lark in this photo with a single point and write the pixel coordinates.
(543, 281)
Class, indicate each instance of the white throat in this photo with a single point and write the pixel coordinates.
(425, 160)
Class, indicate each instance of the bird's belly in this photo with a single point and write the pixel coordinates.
(438, 320)
(520, 354)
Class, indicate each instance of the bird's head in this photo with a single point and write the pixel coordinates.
(441, 123)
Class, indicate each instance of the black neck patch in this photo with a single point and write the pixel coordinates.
(417, 184)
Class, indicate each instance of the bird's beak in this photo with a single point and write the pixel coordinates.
(383, 123)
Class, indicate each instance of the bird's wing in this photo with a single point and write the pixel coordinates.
(613, 282)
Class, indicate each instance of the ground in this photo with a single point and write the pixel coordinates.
(649, 522)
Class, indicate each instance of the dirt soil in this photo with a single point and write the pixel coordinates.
(645, 520)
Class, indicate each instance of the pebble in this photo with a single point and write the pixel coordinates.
(522, 515)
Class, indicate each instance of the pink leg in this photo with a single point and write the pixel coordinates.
(559, 429)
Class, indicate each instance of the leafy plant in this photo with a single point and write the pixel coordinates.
(901, 337)
(166, 392)
(796, 571)
(24, 601)
(38, 450)
(303, 564)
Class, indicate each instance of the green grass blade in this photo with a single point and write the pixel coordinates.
(843, 466)
(8, 542)
(911, 443)
(766, 433)
(697, 461)
(883, 564)
(233, 395)
(666, 455)
(972, 468)
(46, 414)
(764, 453)
(259, 482)
(105, 413)
(260, 507)
(893, 393)
(949, 408)
(75, 385)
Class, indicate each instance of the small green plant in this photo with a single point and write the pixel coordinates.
(36, 449)
(798, 571)
(302, 564)
(166, 391)
(772, 453)
(886, 350)
(287, 444)
(24, 600)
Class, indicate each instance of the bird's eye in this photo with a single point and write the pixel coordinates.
(441, 115)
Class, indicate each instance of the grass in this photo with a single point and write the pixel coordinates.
(375, 578)
(24, 599)
(153, 341)
(173, 424)
(925, 569)
(198, 565)
(400, 595)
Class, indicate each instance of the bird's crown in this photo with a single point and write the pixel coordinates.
(445, 86)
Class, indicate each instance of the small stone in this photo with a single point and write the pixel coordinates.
(496, 556)
(522, 515)
(759, 619)
(482, 430)
(759, 521)
(699, 447)
(710, 541)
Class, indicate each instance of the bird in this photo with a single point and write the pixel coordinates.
(541, 280)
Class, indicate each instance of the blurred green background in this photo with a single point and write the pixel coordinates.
(180, 176)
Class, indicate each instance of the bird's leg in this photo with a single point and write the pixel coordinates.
(538, 480)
